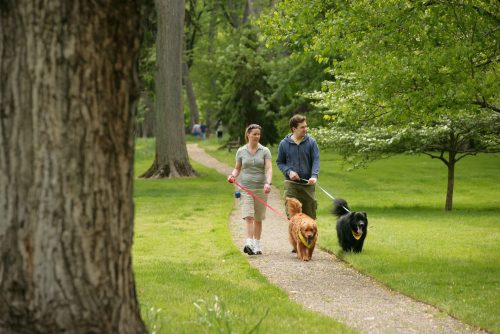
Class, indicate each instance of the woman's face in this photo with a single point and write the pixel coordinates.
(254, 135)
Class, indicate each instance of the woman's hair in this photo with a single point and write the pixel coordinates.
(249, 129)
(296, 120)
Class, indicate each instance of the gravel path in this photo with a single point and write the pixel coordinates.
(326, 284)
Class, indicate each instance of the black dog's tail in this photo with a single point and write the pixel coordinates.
(340, 207)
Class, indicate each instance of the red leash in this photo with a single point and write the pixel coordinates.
(260, 200)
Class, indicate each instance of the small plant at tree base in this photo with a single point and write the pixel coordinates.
(153, 320)
(218, 319)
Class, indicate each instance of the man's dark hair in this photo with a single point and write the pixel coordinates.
(296, 120)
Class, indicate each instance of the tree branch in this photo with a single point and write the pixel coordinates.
(464, 155)
(486, 105)
(440, 157)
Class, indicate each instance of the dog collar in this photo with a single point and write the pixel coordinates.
(356, 236)
(303, 240)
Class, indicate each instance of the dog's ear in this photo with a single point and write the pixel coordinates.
(364, 214)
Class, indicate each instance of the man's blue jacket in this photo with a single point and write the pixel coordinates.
(301, 158)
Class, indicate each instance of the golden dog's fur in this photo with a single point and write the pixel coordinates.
(303, 224)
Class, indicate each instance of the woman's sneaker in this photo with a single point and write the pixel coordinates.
(249, 250)
(256, 247)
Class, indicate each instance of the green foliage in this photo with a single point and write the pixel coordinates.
(406, 76)
(245, 89)
(395, 61)
(293, 70)
(147, 56)
(410, 61)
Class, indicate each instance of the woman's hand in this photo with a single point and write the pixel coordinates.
(230, 178)
(267, 188)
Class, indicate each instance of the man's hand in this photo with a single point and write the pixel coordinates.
(312, 180)
(294, 176)
(230, 178)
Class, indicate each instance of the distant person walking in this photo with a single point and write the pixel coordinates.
(203, 129)
(196, 130)
(298, 160)
(255, 171)
(219, 131)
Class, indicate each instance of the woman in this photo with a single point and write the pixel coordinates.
(254, 167)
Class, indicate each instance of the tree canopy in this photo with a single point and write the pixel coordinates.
(405, 76)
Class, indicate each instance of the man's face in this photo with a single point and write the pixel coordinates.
(301, 130)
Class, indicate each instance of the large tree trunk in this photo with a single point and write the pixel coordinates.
(171, 154)
(148, 124)
(66, 152)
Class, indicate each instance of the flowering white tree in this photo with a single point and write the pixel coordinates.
(448, 139)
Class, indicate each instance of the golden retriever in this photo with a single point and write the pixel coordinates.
(302, 230)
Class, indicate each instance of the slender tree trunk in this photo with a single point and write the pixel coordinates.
(171, 154)
(66, 153)
(191, 97)
(209, 113)
(451, 181)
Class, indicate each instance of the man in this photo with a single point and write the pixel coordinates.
(298, 160)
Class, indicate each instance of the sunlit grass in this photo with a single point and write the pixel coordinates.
(448, 259)
(183, 253)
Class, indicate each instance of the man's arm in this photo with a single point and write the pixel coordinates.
(281, 160)
(315, 164)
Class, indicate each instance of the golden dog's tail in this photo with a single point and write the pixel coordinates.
(294, 206)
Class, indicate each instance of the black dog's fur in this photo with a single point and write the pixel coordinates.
(347, 223)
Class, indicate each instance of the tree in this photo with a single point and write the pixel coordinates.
(171, 154)
(66, 166)
(192, 19)
(448, 139)
(246, 90)
(146, 113)
(396, 62)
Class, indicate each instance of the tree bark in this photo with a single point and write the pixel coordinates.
(148, 124)
(67, 95)
(212, 30)
(451, 181)
(191, 97)
(171, 154)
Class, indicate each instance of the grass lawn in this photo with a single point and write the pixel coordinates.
(448, 259)
(183, 253)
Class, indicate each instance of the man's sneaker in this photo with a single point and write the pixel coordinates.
(248, 249)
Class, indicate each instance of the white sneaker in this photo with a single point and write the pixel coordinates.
(249, 247)
(256, 247)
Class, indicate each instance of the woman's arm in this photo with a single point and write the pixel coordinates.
(269, 175)
(269, 171)
(236, 171)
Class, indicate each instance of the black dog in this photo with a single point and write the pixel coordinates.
(351, 226)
